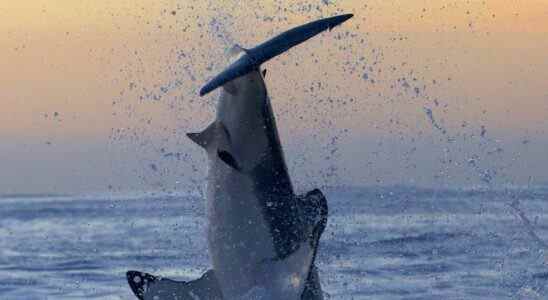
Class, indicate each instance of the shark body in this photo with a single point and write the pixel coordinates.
(262, 238)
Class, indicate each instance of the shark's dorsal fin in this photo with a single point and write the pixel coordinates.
(148, 287)
(204, 138)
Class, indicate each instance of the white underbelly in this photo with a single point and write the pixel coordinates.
(239, 239)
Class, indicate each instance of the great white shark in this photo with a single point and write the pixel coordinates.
(262, 237)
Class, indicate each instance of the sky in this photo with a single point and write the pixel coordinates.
(97, 95)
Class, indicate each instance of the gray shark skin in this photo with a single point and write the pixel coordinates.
(262, 238)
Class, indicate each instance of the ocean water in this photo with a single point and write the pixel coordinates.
(380, 243)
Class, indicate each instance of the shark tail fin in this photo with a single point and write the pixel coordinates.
(146, 286)
(205, 137)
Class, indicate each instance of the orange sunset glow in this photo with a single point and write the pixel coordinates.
(92, 90)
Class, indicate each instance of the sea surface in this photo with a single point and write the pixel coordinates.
(380, 243)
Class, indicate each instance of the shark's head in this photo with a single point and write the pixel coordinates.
(242, 111)
(245, 124)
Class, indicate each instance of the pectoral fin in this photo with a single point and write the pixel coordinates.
(313, 206)
(312, 288)
(148, 287)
